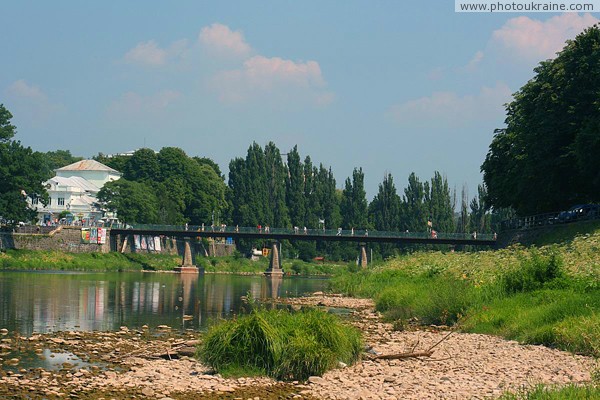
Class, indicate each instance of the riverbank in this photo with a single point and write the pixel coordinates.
(155, 363)
(32, 260)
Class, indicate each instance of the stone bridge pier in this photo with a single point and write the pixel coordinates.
(187, 266)
(363, 255)
(275, 263)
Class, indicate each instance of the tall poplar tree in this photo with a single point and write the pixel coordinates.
(295, 198)
(415, 209)
(354, 208)
(440, 204)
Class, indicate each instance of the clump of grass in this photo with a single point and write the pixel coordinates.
(440, 300)
(534, 272)
(281, 344)
(542, 392)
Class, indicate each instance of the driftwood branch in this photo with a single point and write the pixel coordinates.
(413, 354)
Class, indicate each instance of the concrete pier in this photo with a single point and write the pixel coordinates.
(187, 266)
(275, 263)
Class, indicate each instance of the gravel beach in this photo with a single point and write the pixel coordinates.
(158, 365)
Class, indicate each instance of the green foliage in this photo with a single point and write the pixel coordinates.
(546, 296)
(22, 172)
(546, 157)
(542, 392)
(441, 211)
(414, 206)
(167, 187)
(135, 202)
(534, 272)
(56, 260)
(59, 158)
(353, 207)
(284, 345)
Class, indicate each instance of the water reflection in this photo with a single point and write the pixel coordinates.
(46, 302)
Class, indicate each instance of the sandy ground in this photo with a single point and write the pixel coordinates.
(462, 366)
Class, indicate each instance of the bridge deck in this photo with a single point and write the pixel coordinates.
(361, 236)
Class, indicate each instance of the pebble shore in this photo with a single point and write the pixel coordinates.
(462, 366)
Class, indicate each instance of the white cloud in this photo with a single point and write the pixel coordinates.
(31, 102)
(134, 104)
(22, 89)
(260, 75)
(220, 38)
(474, 62)
(537, 40)
(150, 54)
(448, 108)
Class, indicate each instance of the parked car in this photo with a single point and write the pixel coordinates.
(580, 211)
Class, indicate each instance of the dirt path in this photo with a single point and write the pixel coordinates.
(463, 366)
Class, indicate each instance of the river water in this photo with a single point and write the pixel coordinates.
(53, 301)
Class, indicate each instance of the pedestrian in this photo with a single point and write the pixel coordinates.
(305, 230)
(352, 231)
(366, 232)
(339, 232)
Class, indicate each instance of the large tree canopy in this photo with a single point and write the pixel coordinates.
(173, 187)
(22, 172)
(546, 159)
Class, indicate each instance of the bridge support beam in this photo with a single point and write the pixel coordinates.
(363, 255)
(275, 263)
(187, 266)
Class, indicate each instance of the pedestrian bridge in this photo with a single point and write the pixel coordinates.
(360, 236)
(332, 235)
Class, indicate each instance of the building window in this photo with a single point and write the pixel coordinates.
(50, 201)
(61, 201)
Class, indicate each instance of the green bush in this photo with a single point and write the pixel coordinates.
(533, 273)
(281, 344)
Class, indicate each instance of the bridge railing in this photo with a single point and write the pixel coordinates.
(552, 218)
(302, 231)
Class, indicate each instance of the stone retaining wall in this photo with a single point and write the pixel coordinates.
(65, 238)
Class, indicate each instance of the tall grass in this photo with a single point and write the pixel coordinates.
(569, 392)
(281, 344)
(533, 298)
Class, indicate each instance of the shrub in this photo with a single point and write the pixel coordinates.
(534, 272)
(280, 344)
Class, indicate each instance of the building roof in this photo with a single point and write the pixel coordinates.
(76, 181)
(88, 165)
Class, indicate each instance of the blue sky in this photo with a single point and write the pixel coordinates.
(389, 86)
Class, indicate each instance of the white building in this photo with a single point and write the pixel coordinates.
(74, 189)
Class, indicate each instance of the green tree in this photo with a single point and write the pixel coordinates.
(59, 158)
(415, 213)
(142, 166)
(441, 211)
(546, 158)
(295, 196)
(134, 202)
(385, 209)
(463, 225)
(22, 172)
(479, 219)
(354, 208)
(276, 208)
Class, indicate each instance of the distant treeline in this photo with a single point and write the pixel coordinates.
(270, 189)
